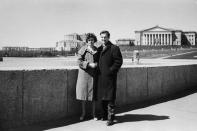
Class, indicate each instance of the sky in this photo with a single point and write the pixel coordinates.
(41, 23)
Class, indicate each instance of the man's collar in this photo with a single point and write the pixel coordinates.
(108, 43)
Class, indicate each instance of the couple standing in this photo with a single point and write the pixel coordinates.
(97, 75)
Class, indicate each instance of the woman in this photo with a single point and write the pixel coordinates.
(87, 76)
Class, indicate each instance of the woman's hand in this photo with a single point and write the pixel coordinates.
(92, 65)
(91, 50)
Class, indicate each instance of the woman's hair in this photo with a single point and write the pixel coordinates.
(91, 35)
(105, 32)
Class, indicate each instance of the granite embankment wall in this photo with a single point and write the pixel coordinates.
(35, 96)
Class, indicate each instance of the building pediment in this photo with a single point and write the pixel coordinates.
(158, 29)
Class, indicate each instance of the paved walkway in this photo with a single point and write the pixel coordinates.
(179, 114)
(177, 54)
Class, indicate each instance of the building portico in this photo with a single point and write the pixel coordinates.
(151, 38)
(157, 36)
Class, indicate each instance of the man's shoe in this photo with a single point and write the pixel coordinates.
(110, 123)
(82, 118)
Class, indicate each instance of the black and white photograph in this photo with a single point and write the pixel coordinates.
(98, 65)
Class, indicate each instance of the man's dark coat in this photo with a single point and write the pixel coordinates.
(110, 62)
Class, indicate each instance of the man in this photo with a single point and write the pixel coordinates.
(110, 61)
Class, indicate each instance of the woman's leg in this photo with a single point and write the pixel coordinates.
(94, 110)
(83, 107)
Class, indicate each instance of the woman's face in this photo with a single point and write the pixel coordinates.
(90, 41)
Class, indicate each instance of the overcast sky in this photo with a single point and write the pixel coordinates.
(40, 23)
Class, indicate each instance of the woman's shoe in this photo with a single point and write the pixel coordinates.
(95, 118)
(82, 118)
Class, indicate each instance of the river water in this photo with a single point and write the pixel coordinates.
(39, 63)
(20, 63)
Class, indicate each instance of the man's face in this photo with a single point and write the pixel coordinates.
(104, 38)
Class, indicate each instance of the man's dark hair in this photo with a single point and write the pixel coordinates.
(105, 32)
(91, 35)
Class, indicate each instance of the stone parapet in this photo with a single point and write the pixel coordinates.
(34, 96)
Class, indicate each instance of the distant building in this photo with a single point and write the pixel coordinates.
(83, 37)
(33, 49)
(61, 46)
(73, 36)
(67, 45)
(191, 37)
(157, 36)
(125, 42)
(70, 42)
(49, 49)
(9, 48)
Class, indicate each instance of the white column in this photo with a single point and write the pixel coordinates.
(152, 39)
(164, 38)
(143, 39)
(152, 43)
(194, 40)
(170, 39)
(167, 39)
(148, 39)
(157, 38)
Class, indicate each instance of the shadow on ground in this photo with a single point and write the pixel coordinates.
(48, 125)
(156, 101)
(120, 119)
(139, 117)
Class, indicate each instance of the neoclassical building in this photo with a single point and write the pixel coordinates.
(70, 42)
(75, 36)
(157, 36)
